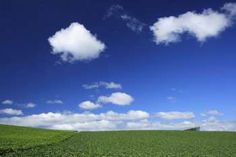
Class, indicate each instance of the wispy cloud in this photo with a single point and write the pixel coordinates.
(131, 22)
(212, 113)
(55, 101)
(171, 99)
(175, 115)
(107, 85)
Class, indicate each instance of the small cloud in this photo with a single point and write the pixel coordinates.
(230, 8)
(7, 102)
(10, 111)
(171, 99)
(117, 98)
(76, 43)
(88, 105)
(212, 113)
(175, 115)
(202, 26)
(176, 90)
(56, 101)
(30, 105)
(131, 22)
(107, 85)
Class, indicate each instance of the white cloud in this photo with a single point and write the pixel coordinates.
(230, 8)
(76, 43)
(203, 25)
(175, 115)
(88, 105)
(114, 10)
(91, 126)
(30, 105)
(213, 124)
(77, 121)
(131, 22)
(10, 111)
(117, 98)
(56, 101)
(7, 102)
(212, 113)
(147, 125)
(107, 85)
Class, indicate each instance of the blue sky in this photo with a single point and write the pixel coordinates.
(144, 65)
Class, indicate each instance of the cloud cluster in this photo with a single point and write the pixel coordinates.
(131, 22)
(175, 115)
(10, 111)
(131, 120)
(76, 43)
(107, 85)
(117, 98)
(77, 121)
(203, 25)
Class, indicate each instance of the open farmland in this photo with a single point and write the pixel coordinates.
(14, 138)
(119, 143)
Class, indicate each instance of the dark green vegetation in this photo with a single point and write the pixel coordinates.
(138, 144)
(14, 138)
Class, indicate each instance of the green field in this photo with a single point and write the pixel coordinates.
(116, 143)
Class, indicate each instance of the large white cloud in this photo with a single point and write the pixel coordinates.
(10, 111)
(175, 115)
(203, 25)
(7, 102)
(117, 98)
(88, 105)
(76, 43)
(107, 85)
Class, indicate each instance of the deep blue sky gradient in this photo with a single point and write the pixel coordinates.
(204, 74)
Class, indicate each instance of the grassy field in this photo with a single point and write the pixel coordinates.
(127, 144)
(18, 138)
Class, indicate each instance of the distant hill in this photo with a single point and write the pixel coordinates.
(193, 129)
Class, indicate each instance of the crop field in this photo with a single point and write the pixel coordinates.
(18, 138)
(118, 143)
